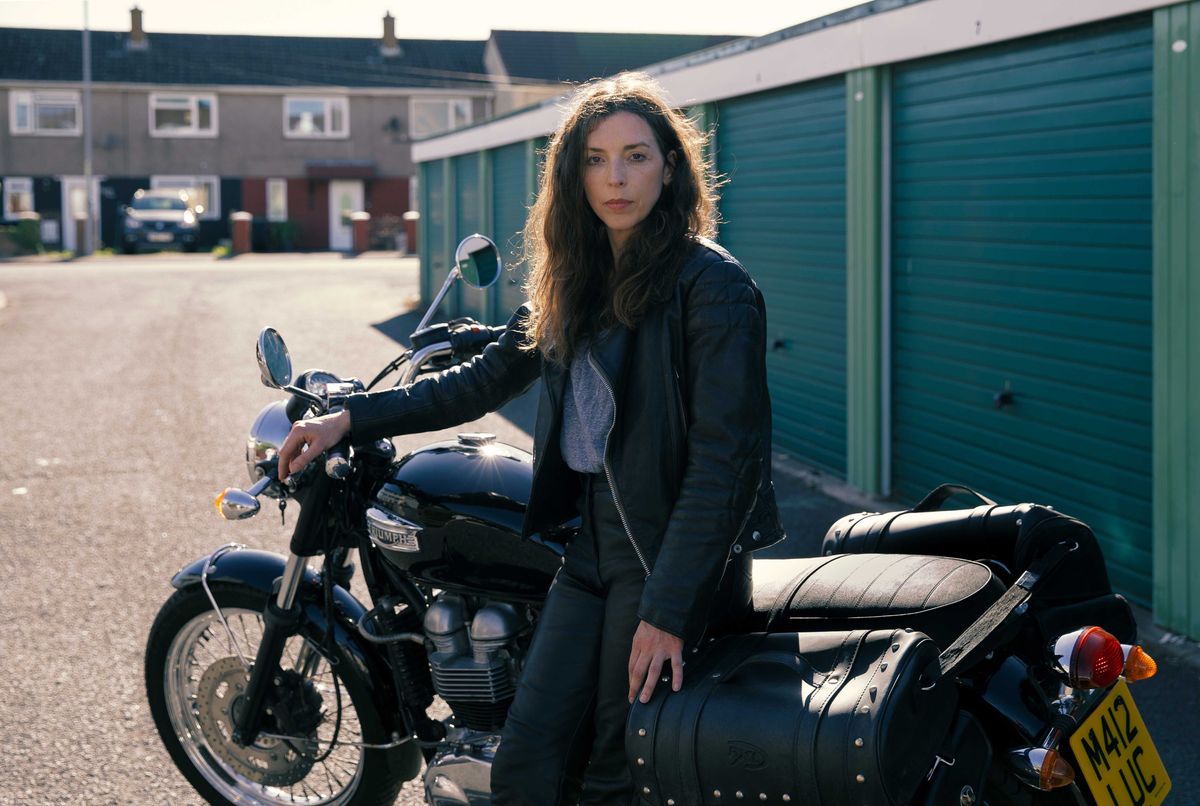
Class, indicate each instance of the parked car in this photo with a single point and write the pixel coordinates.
(158, 219)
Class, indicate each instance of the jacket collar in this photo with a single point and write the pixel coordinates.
(610, 351)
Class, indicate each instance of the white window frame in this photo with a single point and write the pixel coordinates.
(330, 101)
(415, 101)
(212, 210)
(193, 101)
(31, 99)
(277, 215)
(17, 184)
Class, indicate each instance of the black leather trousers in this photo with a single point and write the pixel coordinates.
(564, 739)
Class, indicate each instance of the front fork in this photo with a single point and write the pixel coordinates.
(281, 621)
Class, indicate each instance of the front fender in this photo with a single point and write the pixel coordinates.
(260, 569)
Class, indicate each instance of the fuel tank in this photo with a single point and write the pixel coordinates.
(450, 514)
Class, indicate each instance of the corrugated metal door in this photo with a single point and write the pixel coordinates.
(784, 213)
(468, 211)
(1021, 265)
(510, 191)
(433, 244)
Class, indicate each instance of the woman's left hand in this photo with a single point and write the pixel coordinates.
(652, 647)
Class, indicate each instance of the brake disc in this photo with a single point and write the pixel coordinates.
(270, 762)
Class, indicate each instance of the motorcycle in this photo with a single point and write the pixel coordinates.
(926, 656)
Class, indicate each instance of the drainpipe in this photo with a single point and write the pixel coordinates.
(88, 245)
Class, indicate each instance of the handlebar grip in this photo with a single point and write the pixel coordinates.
(337, 462)
(472, 339)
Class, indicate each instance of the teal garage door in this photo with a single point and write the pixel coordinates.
(510, 197)
(468, 219)
(784, 218)
(1021, 270)
(436, 261)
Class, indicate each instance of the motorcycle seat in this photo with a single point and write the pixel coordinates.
(940, 596)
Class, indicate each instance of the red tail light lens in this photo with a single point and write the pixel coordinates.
(1091, 657)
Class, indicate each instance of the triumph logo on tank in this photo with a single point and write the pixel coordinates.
(747, 756)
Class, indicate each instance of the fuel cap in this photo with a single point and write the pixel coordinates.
(477, 439)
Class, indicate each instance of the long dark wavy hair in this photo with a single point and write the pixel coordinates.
(573, 284)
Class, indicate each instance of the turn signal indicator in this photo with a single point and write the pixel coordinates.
(1042, 767)
(1138, 664)
(220, 499)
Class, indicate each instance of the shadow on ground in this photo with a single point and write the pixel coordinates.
(399, 328)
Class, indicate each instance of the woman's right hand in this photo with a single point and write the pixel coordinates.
(308, 439)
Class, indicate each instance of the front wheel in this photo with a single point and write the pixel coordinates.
(195, 679)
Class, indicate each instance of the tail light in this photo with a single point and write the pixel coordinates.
(1041, 767)
(1091, 657)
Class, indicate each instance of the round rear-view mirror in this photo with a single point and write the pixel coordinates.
(273, 360)
(478, 261)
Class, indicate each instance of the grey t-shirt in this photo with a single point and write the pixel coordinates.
(587, 415)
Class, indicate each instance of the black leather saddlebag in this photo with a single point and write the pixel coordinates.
(807, 718)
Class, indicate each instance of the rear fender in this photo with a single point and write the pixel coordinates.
(260, 569)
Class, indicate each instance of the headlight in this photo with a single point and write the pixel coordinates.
(270, 429)
(132, 223)
(189, 219)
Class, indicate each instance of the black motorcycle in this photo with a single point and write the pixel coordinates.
(928, 656)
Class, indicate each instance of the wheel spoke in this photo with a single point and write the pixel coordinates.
(201, 714)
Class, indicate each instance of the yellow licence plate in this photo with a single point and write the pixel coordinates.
(1114, 752)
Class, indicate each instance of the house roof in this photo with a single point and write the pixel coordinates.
(36, 54)
(577, 57)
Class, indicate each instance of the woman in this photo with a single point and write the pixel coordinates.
(653, 423)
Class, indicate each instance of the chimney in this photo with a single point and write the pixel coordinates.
(137, 37)
(388, 46)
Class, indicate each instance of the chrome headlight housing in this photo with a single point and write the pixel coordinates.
(132, 223)
(270, 429)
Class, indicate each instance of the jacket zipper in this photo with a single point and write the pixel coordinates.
(612, 485)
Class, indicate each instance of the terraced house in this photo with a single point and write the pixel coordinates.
(299, 131)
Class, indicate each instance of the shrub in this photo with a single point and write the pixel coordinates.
(29, 234)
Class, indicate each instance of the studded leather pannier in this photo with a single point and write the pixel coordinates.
(842, 717)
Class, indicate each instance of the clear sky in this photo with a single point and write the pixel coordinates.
(425, 19)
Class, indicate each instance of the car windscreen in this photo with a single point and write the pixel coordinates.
(159, 203)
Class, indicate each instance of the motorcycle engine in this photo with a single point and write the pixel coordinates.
(475, 659)
(475, 663)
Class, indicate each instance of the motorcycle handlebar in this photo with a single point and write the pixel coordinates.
(471, 338)
(337, 463)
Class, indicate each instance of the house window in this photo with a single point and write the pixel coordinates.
(18, 196)
(53, 113)
(183, 115)
(435, 115)
(277, 200)
(316, 117)
(207, 190)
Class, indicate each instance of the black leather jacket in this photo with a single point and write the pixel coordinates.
(689, 451)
